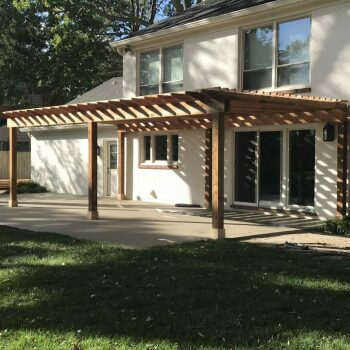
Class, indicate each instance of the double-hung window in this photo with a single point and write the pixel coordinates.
(161, 70)
(277, 55)
(160, 148)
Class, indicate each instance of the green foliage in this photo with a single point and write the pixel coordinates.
(339, 226)
(59, 49)
(30, 187)
(58, 291)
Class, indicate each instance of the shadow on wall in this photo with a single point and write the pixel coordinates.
(326, 177)
(60, 161)
(330, 50)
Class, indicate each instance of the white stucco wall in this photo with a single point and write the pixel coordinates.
(129, 75)
(330, 51)
(60, 158)
(202, 53)
(183, 185)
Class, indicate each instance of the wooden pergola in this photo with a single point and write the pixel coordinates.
(210, 109)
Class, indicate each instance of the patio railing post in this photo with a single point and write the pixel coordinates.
(13, 167)
(218, 128)
(92, 170)
(121, 166)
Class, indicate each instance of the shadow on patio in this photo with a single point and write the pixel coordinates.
(139, 225)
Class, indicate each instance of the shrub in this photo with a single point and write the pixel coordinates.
(339, 226)
(30, 187)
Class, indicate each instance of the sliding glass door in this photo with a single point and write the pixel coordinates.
(275, 168)
(270, 166)
(245, 167)
(302, 167)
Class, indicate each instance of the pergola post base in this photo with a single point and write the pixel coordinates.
(92, 215)
(121, 197)
(218, 233)
(13, 203)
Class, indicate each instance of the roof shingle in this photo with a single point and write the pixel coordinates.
(199, 12)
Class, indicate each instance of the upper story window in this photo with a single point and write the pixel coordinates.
(161, 70)
(277, 55)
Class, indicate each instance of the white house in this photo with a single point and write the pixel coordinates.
(288, 46)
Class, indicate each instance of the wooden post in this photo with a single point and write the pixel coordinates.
(92, 176)
(342, 169)
(121, 165)
(218, 128)
(13, 167)
(208, 169)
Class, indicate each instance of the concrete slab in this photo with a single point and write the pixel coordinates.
(139, 225)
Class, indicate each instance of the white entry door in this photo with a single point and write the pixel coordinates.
(111, 168)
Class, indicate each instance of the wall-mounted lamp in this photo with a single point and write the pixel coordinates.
(98, 152)
(328, 133)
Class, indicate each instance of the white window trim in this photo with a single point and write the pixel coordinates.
(274, 24)
(161, 70)
(153, 161)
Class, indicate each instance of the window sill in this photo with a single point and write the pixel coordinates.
(158, 166)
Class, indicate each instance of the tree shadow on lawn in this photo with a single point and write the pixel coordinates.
(203, 293)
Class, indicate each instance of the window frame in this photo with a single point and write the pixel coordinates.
(169, 161)
(274, 23)
(161, 69)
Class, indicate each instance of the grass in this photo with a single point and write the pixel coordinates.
(57, 291)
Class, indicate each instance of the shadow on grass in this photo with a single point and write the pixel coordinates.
(197, 294)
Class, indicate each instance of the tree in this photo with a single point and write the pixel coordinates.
(178, 6)
(61, 48)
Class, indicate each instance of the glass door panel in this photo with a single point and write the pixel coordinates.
(270, 166)
(245, 167)
(302, 167)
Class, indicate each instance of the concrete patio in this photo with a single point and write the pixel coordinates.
(139, 225)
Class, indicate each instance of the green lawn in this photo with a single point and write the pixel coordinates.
(56, 291)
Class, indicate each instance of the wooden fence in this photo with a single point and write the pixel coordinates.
(23, 165)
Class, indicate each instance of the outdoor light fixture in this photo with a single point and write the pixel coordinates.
(98, 151)
(328, 133)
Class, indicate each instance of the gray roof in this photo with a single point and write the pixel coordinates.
(109, 90)
(201, 11)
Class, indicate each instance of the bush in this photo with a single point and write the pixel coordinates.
(339, 226)
(30, 187)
